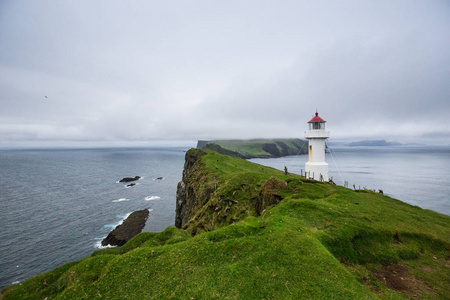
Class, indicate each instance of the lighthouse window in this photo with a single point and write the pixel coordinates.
(316, 125)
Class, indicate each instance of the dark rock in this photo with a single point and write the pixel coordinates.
(160, 178)
(131, 184)
(128, 179)
(128, 229)
(269, 195)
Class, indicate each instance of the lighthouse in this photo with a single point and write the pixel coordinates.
(316, 167)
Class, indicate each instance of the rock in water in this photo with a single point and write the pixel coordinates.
(128, 229)
(128, 179)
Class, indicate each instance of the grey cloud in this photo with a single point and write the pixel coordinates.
(115, 71)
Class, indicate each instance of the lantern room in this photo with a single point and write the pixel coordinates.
(316, 123)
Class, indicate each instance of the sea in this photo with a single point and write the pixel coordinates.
(56, 205)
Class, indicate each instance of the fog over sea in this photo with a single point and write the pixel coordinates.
(57, 205)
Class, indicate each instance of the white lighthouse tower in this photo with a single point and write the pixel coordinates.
(316, 167)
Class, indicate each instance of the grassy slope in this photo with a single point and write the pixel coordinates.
(253, 148)
(317, 243)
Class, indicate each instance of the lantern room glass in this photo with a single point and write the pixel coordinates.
(316, 125)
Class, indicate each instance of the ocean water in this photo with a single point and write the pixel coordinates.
(418, 175)
(57, 205)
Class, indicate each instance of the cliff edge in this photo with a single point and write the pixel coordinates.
(204, 202)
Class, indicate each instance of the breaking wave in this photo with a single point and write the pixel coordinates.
(121, 200)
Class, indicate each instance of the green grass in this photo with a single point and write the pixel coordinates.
(317, 243)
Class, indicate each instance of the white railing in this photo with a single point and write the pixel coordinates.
(317, 134)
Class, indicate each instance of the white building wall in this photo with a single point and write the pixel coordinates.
(316, 148)
(315, 170)
(316, 167)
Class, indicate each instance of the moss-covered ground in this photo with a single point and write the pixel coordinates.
(320, 242)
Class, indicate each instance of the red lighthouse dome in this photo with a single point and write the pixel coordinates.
(316, 119)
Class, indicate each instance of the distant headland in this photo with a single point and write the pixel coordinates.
(256, 148)
(373, 143)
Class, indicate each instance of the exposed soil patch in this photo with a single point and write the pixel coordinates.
(427, 269)
(397, 239)
(398, 277)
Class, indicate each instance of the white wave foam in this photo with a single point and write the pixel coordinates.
(15, 282)
(98, 245)
(121, 200)
(122, 218)
(149, 198)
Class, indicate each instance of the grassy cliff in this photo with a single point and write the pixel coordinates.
(257, 148)
(319, 241)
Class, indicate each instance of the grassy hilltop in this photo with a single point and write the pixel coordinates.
(320, 241)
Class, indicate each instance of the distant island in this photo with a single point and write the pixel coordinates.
(373, 143)
(256, 148)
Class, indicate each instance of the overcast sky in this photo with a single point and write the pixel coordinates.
(151, 71)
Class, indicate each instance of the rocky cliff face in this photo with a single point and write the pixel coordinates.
(207, 198)
(186, 198)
